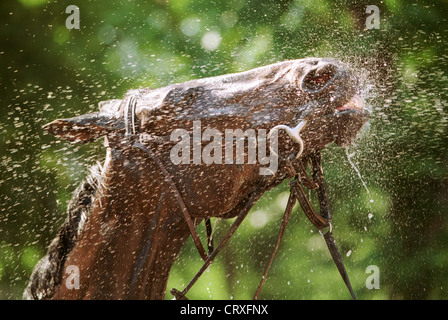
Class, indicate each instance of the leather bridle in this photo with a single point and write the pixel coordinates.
(296, 169)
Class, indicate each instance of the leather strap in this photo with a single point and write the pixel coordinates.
(322, 221)
(129, 114)
(337, 258)
(209, 231)
(317, 220)
(291, 202)
(177, 196)
(255, 195)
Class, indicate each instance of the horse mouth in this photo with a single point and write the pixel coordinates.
(349, 119)
(356, 103)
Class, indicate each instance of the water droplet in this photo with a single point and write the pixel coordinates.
(349, 156)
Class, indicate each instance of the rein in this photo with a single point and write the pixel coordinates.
(321, 221)
(296, 169)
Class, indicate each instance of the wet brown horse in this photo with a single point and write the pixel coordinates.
(128, 221)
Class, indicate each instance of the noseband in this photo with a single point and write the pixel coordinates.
(296, 170)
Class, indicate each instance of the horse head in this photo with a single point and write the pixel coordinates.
(302, 104)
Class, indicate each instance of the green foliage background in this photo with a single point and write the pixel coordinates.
(49, 72)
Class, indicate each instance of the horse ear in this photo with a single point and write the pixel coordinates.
(85, 128)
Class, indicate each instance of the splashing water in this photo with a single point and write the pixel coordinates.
(349, 158)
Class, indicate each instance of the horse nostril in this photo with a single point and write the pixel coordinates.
(318, 78)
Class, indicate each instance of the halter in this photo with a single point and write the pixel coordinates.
(296, 169)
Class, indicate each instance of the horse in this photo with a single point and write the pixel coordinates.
(129, 219)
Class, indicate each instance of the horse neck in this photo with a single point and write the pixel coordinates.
(131, 238)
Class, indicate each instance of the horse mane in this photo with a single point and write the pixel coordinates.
(47, 274)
